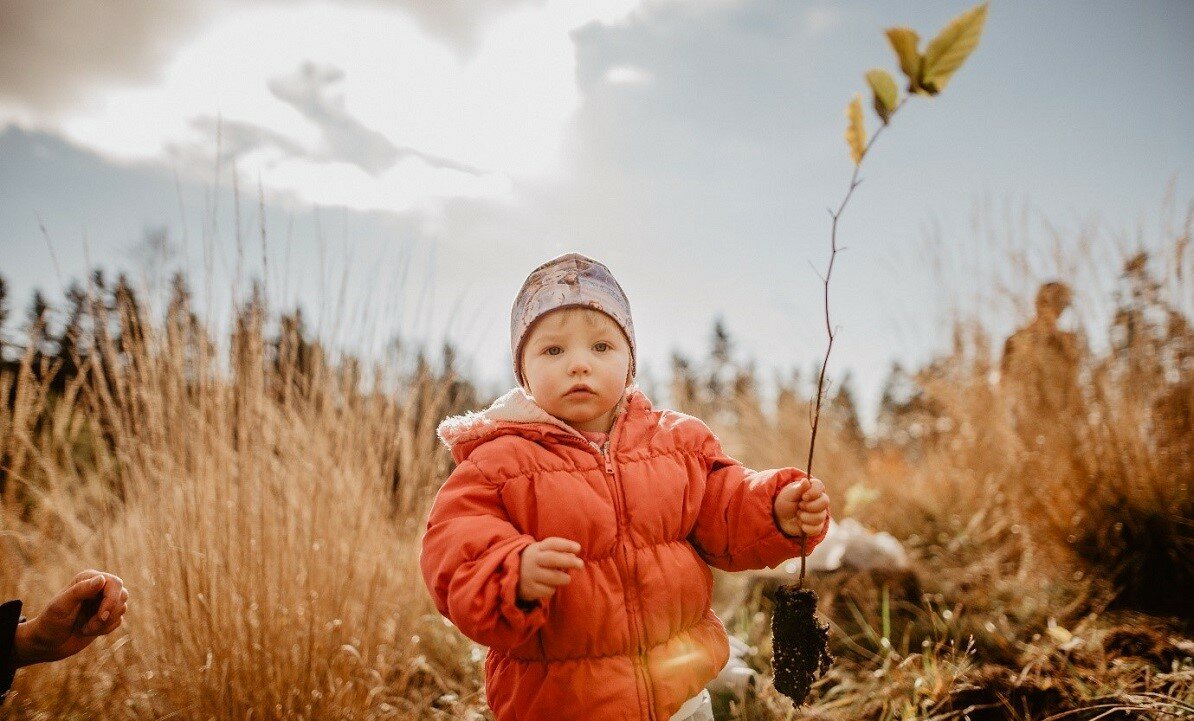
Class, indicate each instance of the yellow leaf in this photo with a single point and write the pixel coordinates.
(1059, 634)
(886, 94)
(904, 41)
(859, 495)
(946, 53)
(856, 131)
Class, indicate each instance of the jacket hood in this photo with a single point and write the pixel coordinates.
(514, 412)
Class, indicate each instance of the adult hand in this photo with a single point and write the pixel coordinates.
(802, 505)
(92, 606)
(545, 565)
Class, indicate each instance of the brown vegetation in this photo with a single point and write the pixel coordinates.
(264, 505)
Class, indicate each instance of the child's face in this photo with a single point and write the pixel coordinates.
(573, 346)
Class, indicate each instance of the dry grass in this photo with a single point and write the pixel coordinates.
(266, 518)
(1043, 489)
(264, 522)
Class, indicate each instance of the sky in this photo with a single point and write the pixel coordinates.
(397, 167)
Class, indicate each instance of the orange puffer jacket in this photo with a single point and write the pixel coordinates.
(632, 636)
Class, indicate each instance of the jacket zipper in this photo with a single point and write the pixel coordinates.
(609, 462)
(620, 501)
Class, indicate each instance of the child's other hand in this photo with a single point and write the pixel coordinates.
(545, 565)
(802, 505)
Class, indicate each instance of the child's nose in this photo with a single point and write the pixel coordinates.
(579, 362)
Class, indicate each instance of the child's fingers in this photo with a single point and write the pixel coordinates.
(550, 577)
(812, 522)
(557, 559)
(811, 519)
(555, 543)
(791, 493)
(556, 578)
(820, 503)
(535, 591)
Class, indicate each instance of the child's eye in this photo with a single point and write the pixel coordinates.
(550, 349)
(604, 345)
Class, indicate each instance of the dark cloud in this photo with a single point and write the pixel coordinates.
(312, 92)
(52, 52)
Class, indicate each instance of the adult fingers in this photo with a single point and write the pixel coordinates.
(69, 600)
(555, 543)
(106, 627)
(559, 559)
(85, 574)
(114, 621)
(113, 590)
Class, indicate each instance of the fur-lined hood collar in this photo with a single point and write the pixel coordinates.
(514, 412)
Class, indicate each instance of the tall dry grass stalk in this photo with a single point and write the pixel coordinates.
(265, 521)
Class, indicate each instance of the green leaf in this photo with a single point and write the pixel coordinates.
(946, 53)
(887, 96)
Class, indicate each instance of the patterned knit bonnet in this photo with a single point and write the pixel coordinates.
(571, 280)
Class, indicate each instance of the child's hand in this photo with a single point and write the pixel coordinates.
(802, 505)
(544, 567)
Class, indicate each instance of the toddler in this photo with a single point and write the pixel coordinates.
(575, 535)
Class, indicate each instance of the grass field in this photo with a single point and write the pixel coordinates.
(263, 503)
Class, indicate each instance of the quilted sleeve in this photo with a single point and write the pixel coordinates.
(470, 562)
(736, 528)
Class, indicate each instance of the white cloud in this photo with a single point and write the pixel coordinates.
(501, 110)
(411, 183)
(627, 75)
